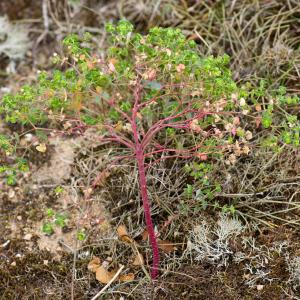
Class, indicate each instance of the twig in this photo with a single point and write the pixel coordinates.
(45, 15)
(109, 283)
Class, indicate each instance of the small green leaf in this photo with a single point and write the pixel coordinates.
(60, 220)
(11, 179)
(189, 190)
(81, 235)
(266, 119)
(58, 190)
(50, 212)
(47, 228)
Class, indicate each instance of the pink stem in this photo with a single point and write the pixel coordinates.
(147, 212)
(140, 158)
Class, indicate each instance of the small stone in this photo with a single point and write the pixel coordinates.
(28, 137)
(19, 218)
(13, 264)
(11, 194)
(45, 262)
(27, 237)
(242, 102)
(259, 287)
(248, 135)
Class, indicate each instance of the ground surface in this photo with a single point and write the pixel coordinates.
(260, 261)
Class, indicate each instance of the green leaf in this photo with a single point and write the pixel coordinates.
(47, 228)
(81, 236)
(58, 190)
(11, 179)
(50, 212)
(153, 85)
(266, 119)
(60, 220)
(189, 190)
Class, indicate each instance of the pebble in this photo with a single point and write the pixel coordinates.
(28, 236)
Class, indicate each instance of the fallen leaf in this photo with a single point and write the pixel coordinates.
(126, 277)
(41, 148)
(138, 260)
(166, 246)
(94, 264)
(122, 230)
(103, 275)
(145, 235)
(123, 234)
(258, 107)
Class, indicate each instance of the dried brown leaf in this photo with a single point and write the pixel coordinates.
(103, 275)
(138, 260)
(166, 246)
(94, 264)
(122, 230)
(126, 277)
(123, 234)
(145, 235)
(41, 148)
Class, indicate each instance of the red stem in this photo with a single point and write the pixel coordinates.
(140, 158)
(147, 212)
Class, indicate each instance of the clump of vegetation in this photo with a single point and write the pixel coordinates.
(10, 164)
(158, 97)
(54, 219)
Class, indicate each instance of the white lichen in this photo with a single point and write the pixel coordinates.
(14, 41)
(211, 243)
(294, 271)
